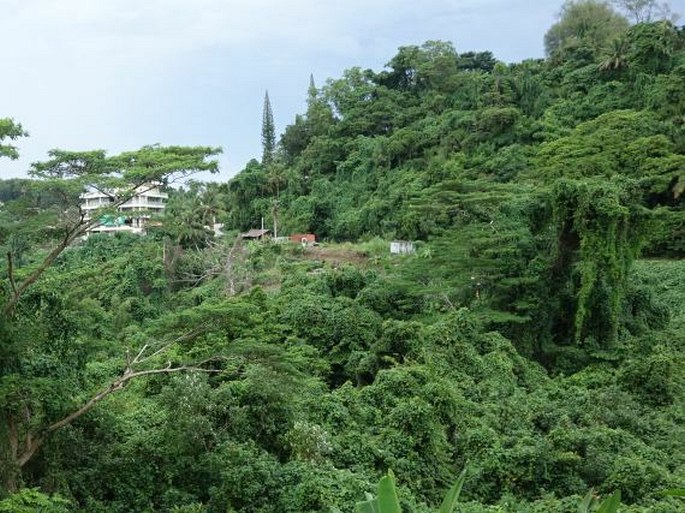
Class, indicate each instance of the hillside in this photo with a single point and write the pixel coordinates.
(536, 337)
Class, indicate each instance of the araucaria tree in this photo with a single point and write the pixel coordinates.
(268, 132)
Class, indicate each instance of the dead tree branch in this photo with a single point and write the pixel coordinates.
(34, 441)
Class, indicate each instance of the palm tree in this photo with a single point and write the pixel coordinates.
(616, 58)
(184, 219)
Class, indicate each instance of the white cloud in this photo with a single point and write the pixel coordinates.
(122, 73)
(136, 28)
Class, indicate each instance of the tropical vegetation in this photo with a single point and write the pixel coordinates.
(527, 357)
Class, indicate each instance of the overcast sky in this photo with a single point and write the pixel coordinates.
(119, 74)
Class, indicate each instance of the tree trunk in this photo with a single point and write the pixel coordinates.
(9, 467)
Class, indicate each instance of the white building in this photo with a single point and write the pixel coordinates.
(131, 216)
(401, 247)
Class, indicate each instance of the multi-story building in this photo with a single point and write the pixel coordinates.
(131, 216)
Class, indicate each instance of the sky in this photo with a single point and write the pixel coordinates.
(120, 74)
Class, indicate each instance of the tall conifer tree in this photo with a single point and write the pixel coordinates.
(319, 115)
(268, 132)
(312, 92)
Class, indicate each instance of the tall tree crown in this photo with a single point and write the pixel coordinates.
(268, 132)
(587, 22)
(645, 11)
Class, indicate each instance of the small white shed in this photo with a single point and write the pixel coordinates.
(401, 247)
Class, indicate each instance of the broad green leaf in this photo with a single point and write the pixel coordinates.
(369, 506)
(387, 495)
(587, 502)
(611, 504)
(449, 504)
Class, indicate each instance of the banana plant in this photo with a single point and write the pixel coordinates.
(609, 505)
(387, 501)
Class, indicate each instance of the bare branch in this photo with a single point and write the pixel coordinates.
(196, 279)
(140, 353)
(119, 384)
(187, 335)
(449, 303)
(104, 191)
(9, 306)
(33, 443)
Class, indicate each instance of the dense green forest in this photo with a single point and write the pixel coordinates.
(535, 338)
